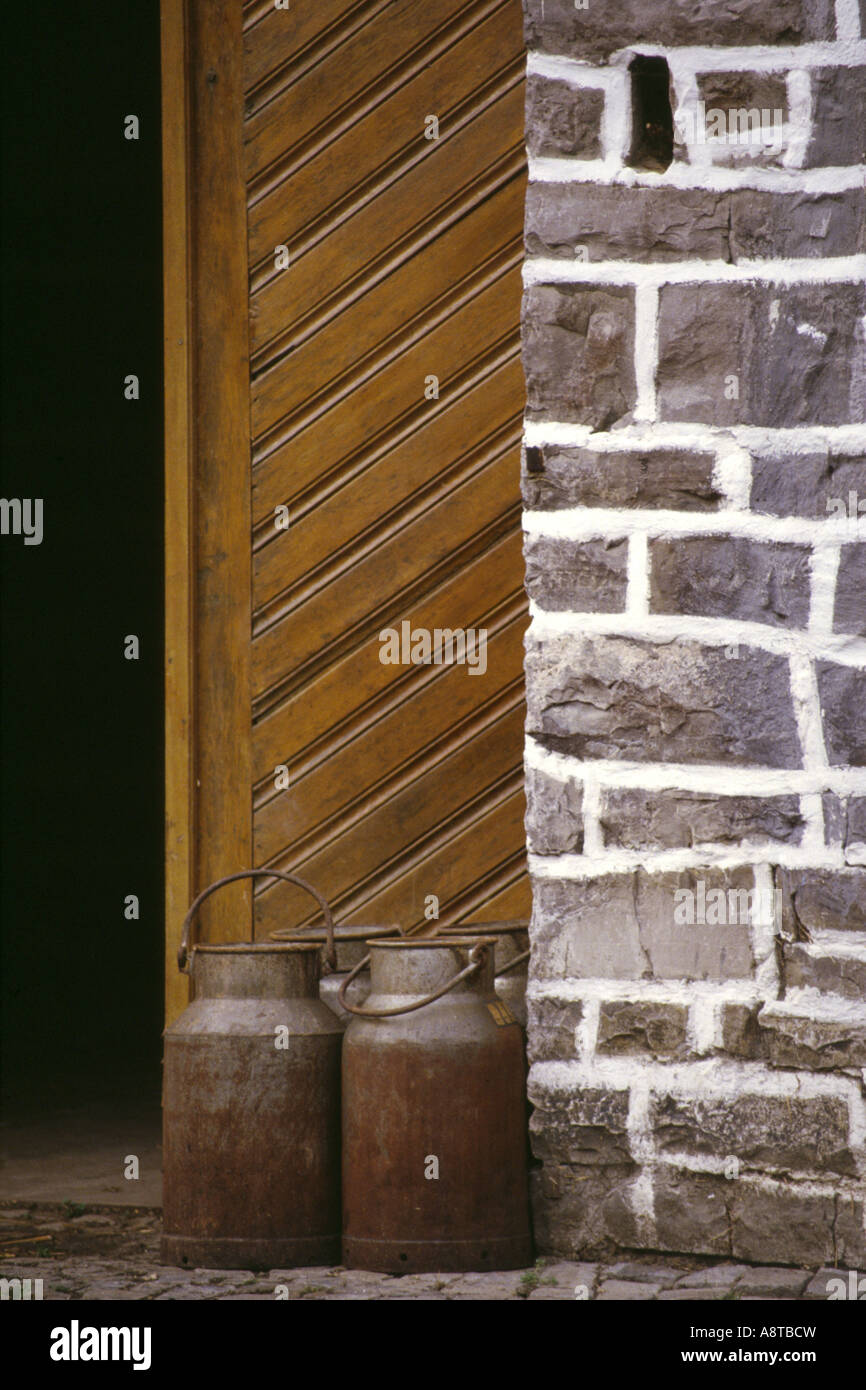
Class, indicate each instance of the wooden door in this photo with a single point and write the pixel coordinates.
(344, 419)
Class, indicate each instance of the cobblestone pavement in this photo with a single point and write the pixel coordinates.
(112, 1253)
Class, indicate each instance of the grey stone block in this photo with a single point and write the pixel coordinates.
(635, 819)
(850, 611)
(812, 1042)
(588, 1126)
(780, 356)
(626, 1291)
(761, 1131)
(557, 476)
(842, 691)
(562, 120)
(611, 697)
(772, 1281)
(556, 26)
(599, 223)
(578, 354)
(822, 900)
(754, 109)
(741, 1031)
(838, 117)
(554, 814)
(825, 970)
(581, 1211)
(691, 1212)
(774, 226)
(731, 577)
(817, 484)
(588, 576)
(551, 1029)
(650, 1027)
(851, 1235)
(622, 926)
(784, 1226)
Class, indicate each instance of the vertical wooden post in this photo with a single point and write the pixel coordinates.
(179, 828)
(208, 534)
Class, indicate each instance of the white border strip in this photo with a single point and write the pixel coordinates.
(831, 179)
(707, 632)
(590, 523)
(715, 779)
(539, 270)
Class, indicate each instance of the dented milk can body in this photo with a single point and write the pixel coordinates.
(434, 1148)
(510, 959)
(351, 947)
(251, 1122)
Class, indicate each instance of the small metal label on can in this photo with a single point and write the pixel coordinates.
(501, 1013)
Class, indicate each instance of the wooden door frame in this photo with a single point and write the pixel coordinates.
(208, 562)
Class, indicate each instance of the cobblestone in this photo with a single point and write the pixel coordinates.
(117, 1259)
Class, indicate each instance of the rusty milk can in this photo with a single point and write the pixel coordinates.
(251, 1106)
(350, 942)
(434, 1148)
(510, 958)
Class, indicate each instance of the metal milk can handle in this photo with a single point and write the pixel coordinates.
(183, 949)
(518, 960)
(476, 959)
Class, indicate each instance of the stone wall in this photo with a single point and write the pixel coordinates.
(695, 492)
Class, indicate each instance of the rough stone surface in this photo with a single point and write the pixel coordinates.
(691, 1212)
(761, 1131)
(610, 697)
(741, 1031)
(575, 1206)
(822, 899)
(650, 1027)
(850, 612)
(772, 1281)
(855, 829)
(551, 1029)
(816, 484)
(562, 120)
(715, 1277)
(635, 819)
(555, 26)
(748, 137)
(803, 1039)
(845, 825)
(597, 222)
(554, 814)
(555, 477)
(842, 691)
(621, 926)
(731, 577)
(626, 1291)
(584, 1126)
(775, 226)
(825, 1283)
(781, 1225)
(578, 354)
(838, 117)
(850, 1233)
(587, 576)
(759, 355)
(809, 967)
(120, 1274)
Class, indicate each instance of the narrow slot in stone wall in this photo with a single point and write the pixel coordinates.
(694, 485)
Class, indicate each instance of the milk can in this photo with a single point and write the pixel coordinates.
(251, 1106)
(351, 947)
(510, 959)
(434, 1148)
